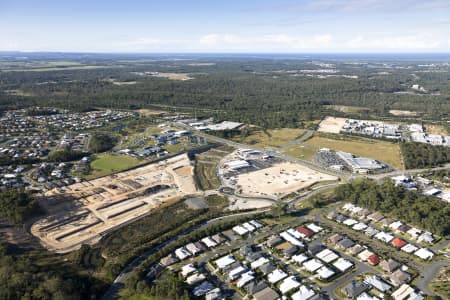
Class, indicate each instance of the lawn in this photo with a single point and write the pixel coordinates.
(271, 137)
(301, 151)
(439, 284)
(106, 164)
(380, 150)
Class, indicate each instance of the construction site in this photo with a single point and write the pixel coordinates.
(83, 212)
(265, 176)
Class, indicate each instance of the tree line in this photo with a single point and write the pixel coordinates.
(411, 207)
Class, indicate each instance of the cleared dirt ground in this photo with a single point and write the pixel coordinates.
(331, 124)
(279, 180)
(84, 211)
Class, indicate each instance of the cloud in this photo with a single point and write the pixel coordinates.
(398, 42)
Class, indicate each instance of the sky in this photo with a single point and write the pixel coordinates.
(222, 26)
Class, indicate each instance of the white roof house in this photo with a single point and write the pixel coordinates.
(249, 226)
(224, 261)
(359, 226)
(245, 278)
(289, 238)
(365, 296)
(315, 228)
(191, 247)
(182, 253)
(327, 255)
(236, 272)
(342, 264)
(240, 230)
(236, 164)
(295, 233)
(195, 278)
(403, 292)
(300, 258)
(325, 272)
(188, 269)
(395, 225)
(209, 242)
(409, 248)
(303, 293)
(276, 276)
(259, 262)
(378, 283)
(414, 232)
(256, 224)
(426, 237)
(350, 222)
(312, 265)
(384, 236)
(289, 284)
(365, 255)
(424, 254)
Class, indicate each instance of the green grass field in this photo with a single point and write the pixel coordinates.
(383, 151)
(301, 151)
(106, 164)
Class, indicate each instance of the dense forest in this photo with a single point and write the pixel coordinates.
(263, 91)
(418, 155)
(18, 206)
(410, 207)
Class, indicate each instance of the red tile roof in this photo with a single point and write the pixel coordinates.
(374, 259)
(305, 231)
(397, 242)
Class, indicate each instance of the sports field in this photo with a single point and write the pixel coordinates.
(272, 137)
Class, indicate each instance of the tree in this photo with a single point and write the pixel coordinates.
(100, 142)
